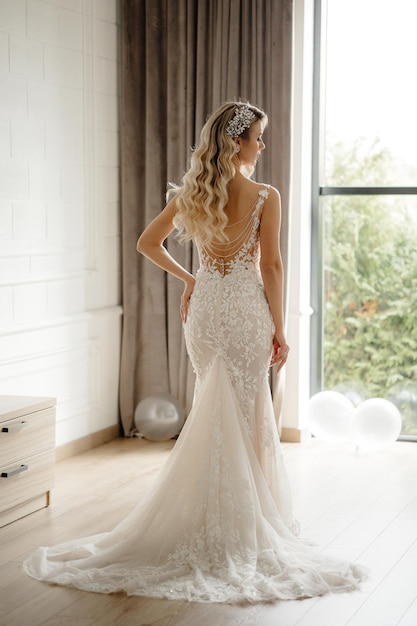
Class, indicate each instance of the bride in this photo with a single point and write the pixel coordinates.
(217, 524)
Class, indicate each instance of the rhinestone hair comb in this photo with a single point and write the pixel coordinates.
(241, 120)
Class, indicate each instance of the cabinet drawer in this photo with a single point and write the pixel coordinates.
(26, 479)
(26, 435)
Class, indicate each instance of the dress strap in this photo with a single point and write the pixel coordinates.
(262, 196)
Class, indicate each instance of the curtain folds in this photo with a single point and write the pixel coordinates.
(180, 60)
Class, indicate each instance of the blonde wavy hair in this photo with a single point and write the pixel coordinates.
(203, 196)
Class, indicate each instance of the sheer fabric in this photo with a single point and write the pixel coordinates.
(217, 525)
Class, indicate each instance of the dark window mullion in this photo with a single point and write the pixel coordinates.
(367, 191)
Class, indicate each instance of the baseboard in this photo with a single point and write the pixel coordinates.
(294, 435)
(288, 435)
(87, 443)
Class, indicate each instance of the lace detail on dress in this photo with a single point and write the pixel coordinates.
(215, 529)
(229, 317)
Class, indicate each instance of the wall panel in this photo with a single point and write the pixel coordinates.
(60, 276)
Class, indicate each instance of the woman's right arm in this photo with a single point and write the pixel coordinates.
(150, 244)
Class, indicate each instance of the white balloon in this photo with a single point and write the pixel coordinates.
(330, 415)
(375, 424)
(159, 417)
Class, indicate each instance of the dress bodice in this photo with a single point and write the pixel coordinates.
(242, 251)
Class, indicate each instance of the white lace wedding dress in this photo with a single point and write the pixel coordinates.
(217, 524)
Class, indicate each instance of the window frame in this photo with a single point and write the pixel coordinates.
(317, 192)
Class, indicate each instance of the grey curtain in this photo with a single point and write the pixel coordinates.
(180, 60)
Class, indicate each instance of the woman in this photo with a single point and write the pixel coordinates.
(217, 525)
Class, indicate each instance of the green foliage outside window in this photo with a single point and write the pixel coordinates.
(370, 279)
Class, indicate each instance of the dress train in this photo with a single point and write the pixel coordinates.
(209, 530)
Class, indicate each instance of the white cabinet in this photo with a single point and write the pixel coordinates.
(27, 455)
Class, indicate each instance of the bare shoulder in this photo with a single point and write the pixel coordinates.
(273, 194)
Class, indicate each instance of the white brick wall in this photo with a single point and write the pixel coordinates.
(60, 272)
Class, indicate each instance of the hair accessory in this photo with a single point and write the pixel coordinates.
(241, 120)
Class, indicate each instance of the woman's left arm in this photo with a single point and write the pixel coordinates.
(272, 272)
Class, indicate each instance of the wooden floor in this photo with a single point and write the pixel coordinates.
(355, 505)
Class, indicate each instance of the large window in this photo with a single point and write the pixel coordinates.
(365, 202)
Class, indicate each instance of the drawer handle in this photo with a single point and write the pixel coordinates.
(18, 470)
(14, 427)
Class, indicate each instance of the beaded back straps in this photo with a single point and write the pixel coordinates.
(240, 251)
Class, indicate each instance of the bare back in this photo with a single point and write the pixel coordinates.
(243, 211)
